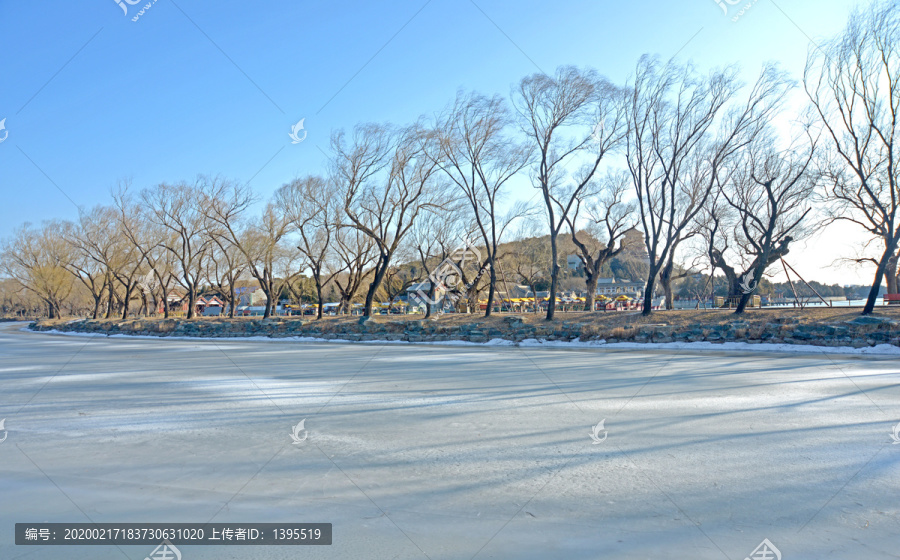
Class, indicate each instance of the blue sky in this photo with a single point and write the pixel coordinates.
(92, 98)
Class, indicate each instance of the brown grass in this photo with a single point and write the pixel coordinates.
(611, 323)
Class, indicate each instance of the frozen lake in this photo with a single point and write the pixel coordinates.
(418, 452)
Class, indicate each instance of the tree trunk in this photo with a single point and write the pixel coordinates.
(109, 300)
(879, 275)
(126, 302)
(742, 303)
(192, 298)
(554, 277)
(431, 290)
(491, 288)
(268, 289)
(590, 283)
(745, 296)
(665, 280)
(380, 270)
(648, 291)
(321, 305)
(233, 297)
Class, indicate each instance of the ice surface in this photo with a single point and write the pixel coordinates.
(459, 451)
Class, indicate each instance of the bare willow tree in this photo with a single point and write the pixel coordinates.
(261, 240)
(177, 209)
(135, 237)
(224, 268)
(479, 157)
(673, 115)
(574, 116)
(853, 82)
(224, 205)
(268, 255)
(398, 279)
(770, 194)
(352, 261)
(434, 238)
(36, 258)
(92, 247)
(162, 262)
(530, 257)
(607, 215)
(312, 206)
(385, 206)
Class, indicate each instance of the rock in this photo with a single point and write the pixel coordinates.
(514, 321)
(871, 320)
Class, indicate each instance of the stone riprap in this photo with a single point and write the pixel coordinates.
(860, 332)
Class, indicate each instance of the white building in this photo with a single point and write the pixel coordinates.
(612, 287)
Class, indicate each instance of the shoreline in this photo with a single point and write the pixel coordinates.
(871, 335)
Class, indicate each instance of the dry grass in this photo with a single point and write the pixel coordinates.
(608, 323)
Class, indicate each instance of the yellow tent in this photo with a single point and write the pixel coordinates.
(623, 297)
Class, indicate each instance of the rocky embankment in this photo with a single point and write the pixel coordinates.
(858, 332)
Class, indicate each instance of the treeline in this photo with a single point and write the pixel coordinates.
(691, 159)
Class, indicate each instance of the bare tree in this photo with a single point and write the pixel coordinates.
(151, 239)
(531, 256)
(92, 246)
(224, 268)
(354, 257)
(672, 115)
(385, 208)
(135, 238)
(547, 107)
(397, 280)
(480, 158)
(224, 205)
(853, 82)
(177, 209)
(608, 217)
(770, 193)
(312, 206)
(267, 253)
(434, 237)
(36, 258)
